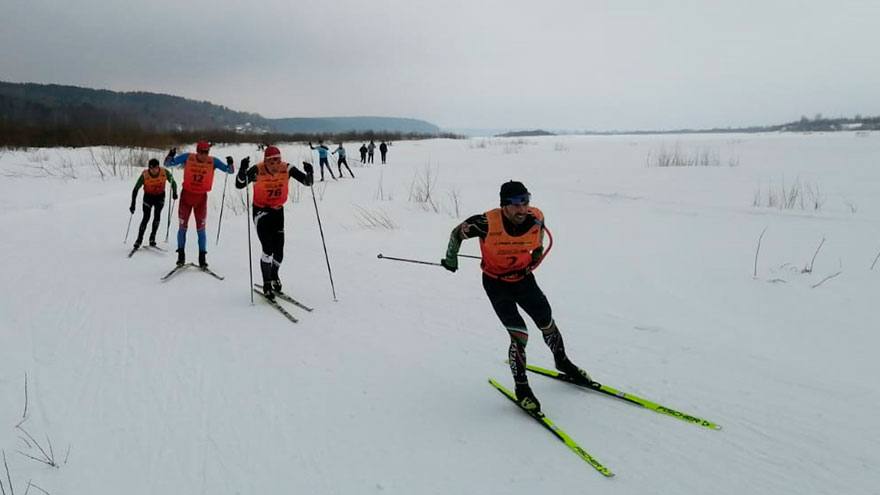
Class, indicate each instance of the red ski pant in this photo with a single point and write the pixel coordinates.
(191, 202)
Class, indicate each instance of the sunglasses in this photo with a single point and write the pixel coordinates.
(520, 200)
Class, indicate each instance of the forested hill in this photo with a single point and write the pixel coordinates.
(53, 106)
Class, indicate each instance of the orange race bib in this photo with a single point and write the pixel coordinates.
(198, 177)
(271, 186)
(154, 185)
(505, 256)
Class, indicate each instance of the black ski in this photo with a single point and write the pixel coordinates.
(287, 298)
(277, 306)
(206, 270)
(131, 253)
(174, 270)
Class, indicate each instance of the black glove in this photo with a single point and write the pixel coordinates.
(245, 163)
(229, 161)
(452, 267)
(173, 194)
(131, 209)
(308, 168)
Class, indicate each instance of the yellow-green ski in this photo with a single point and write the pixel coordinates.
(633, 399)
(561, 435)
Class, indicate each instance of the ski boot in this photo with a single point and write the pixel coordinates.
(526, 398)
(267, 290)
(181, 257)
(203, 263)
(578, 375)
(276, 285)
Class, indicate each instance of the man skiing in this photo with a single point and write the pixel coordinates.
(271, 180)
(341, 160)
(383, 150)
(371, 148)
(363, 150)
(198, 179)
(153, 181)
(323, 153)
(511, 243)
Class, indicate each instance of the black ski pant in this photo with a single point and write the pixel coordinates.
(369, 157)
(270, 231)
(383, 153)
(342, 161)
(525, 293)
(151, 202)
(363, 157)
(323, 162)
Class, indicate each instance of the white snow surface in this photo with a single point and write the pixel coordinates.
(185, 387)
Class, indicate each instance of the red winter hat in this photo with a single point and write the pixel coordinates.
(203, 146)
(271, 152)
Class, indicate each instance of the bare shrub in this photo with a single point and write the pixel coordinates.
(799, 195)
(560, 147)
(421, 189)
(372, 219)
(703, 157)
(455, 199)
(381, 195)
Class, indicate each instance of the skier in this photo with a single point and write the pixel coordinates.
(153, 180)
(198, 178)
(511, 243)
(270, 178)
(370, 149)
(363, 150)
(383, 150)
(342, 161)
(322, 159)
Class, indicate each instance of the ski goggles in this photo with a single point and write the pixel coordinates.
(519, 200)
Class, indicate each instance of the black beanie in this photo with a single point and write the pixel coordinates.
(511, 189)
(154, 162)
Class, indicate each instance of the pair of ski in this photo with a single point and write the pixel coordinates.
(284, 297)
(180, 268)
(155, 249)
(604, 389)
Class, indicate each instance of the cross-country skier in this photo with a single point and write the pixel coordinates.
(363, 150)
(383, 150)
(511, 243)
(198, 178)
(153, 181)
(323, 154)
(371, 148)
(342, 161)
(270, 178)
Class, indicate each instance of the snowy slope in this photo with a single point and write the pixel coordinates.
(185, 387)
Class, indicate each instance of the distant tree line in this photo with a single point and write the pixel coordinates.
(54, 115)
(21, 136)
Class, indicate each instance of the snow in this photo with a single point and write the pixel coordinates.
(185, 387)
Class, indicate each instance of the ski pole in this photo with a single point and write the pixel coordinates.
(124, 241)
(168, 224)
(321, 228)
(222, 203)
(250, 256)
(383, 257)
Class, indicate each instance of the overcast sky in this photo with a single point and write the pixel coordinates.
(579, 64)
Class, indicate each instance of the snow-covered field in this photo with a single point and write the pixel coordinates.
(184, 387)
